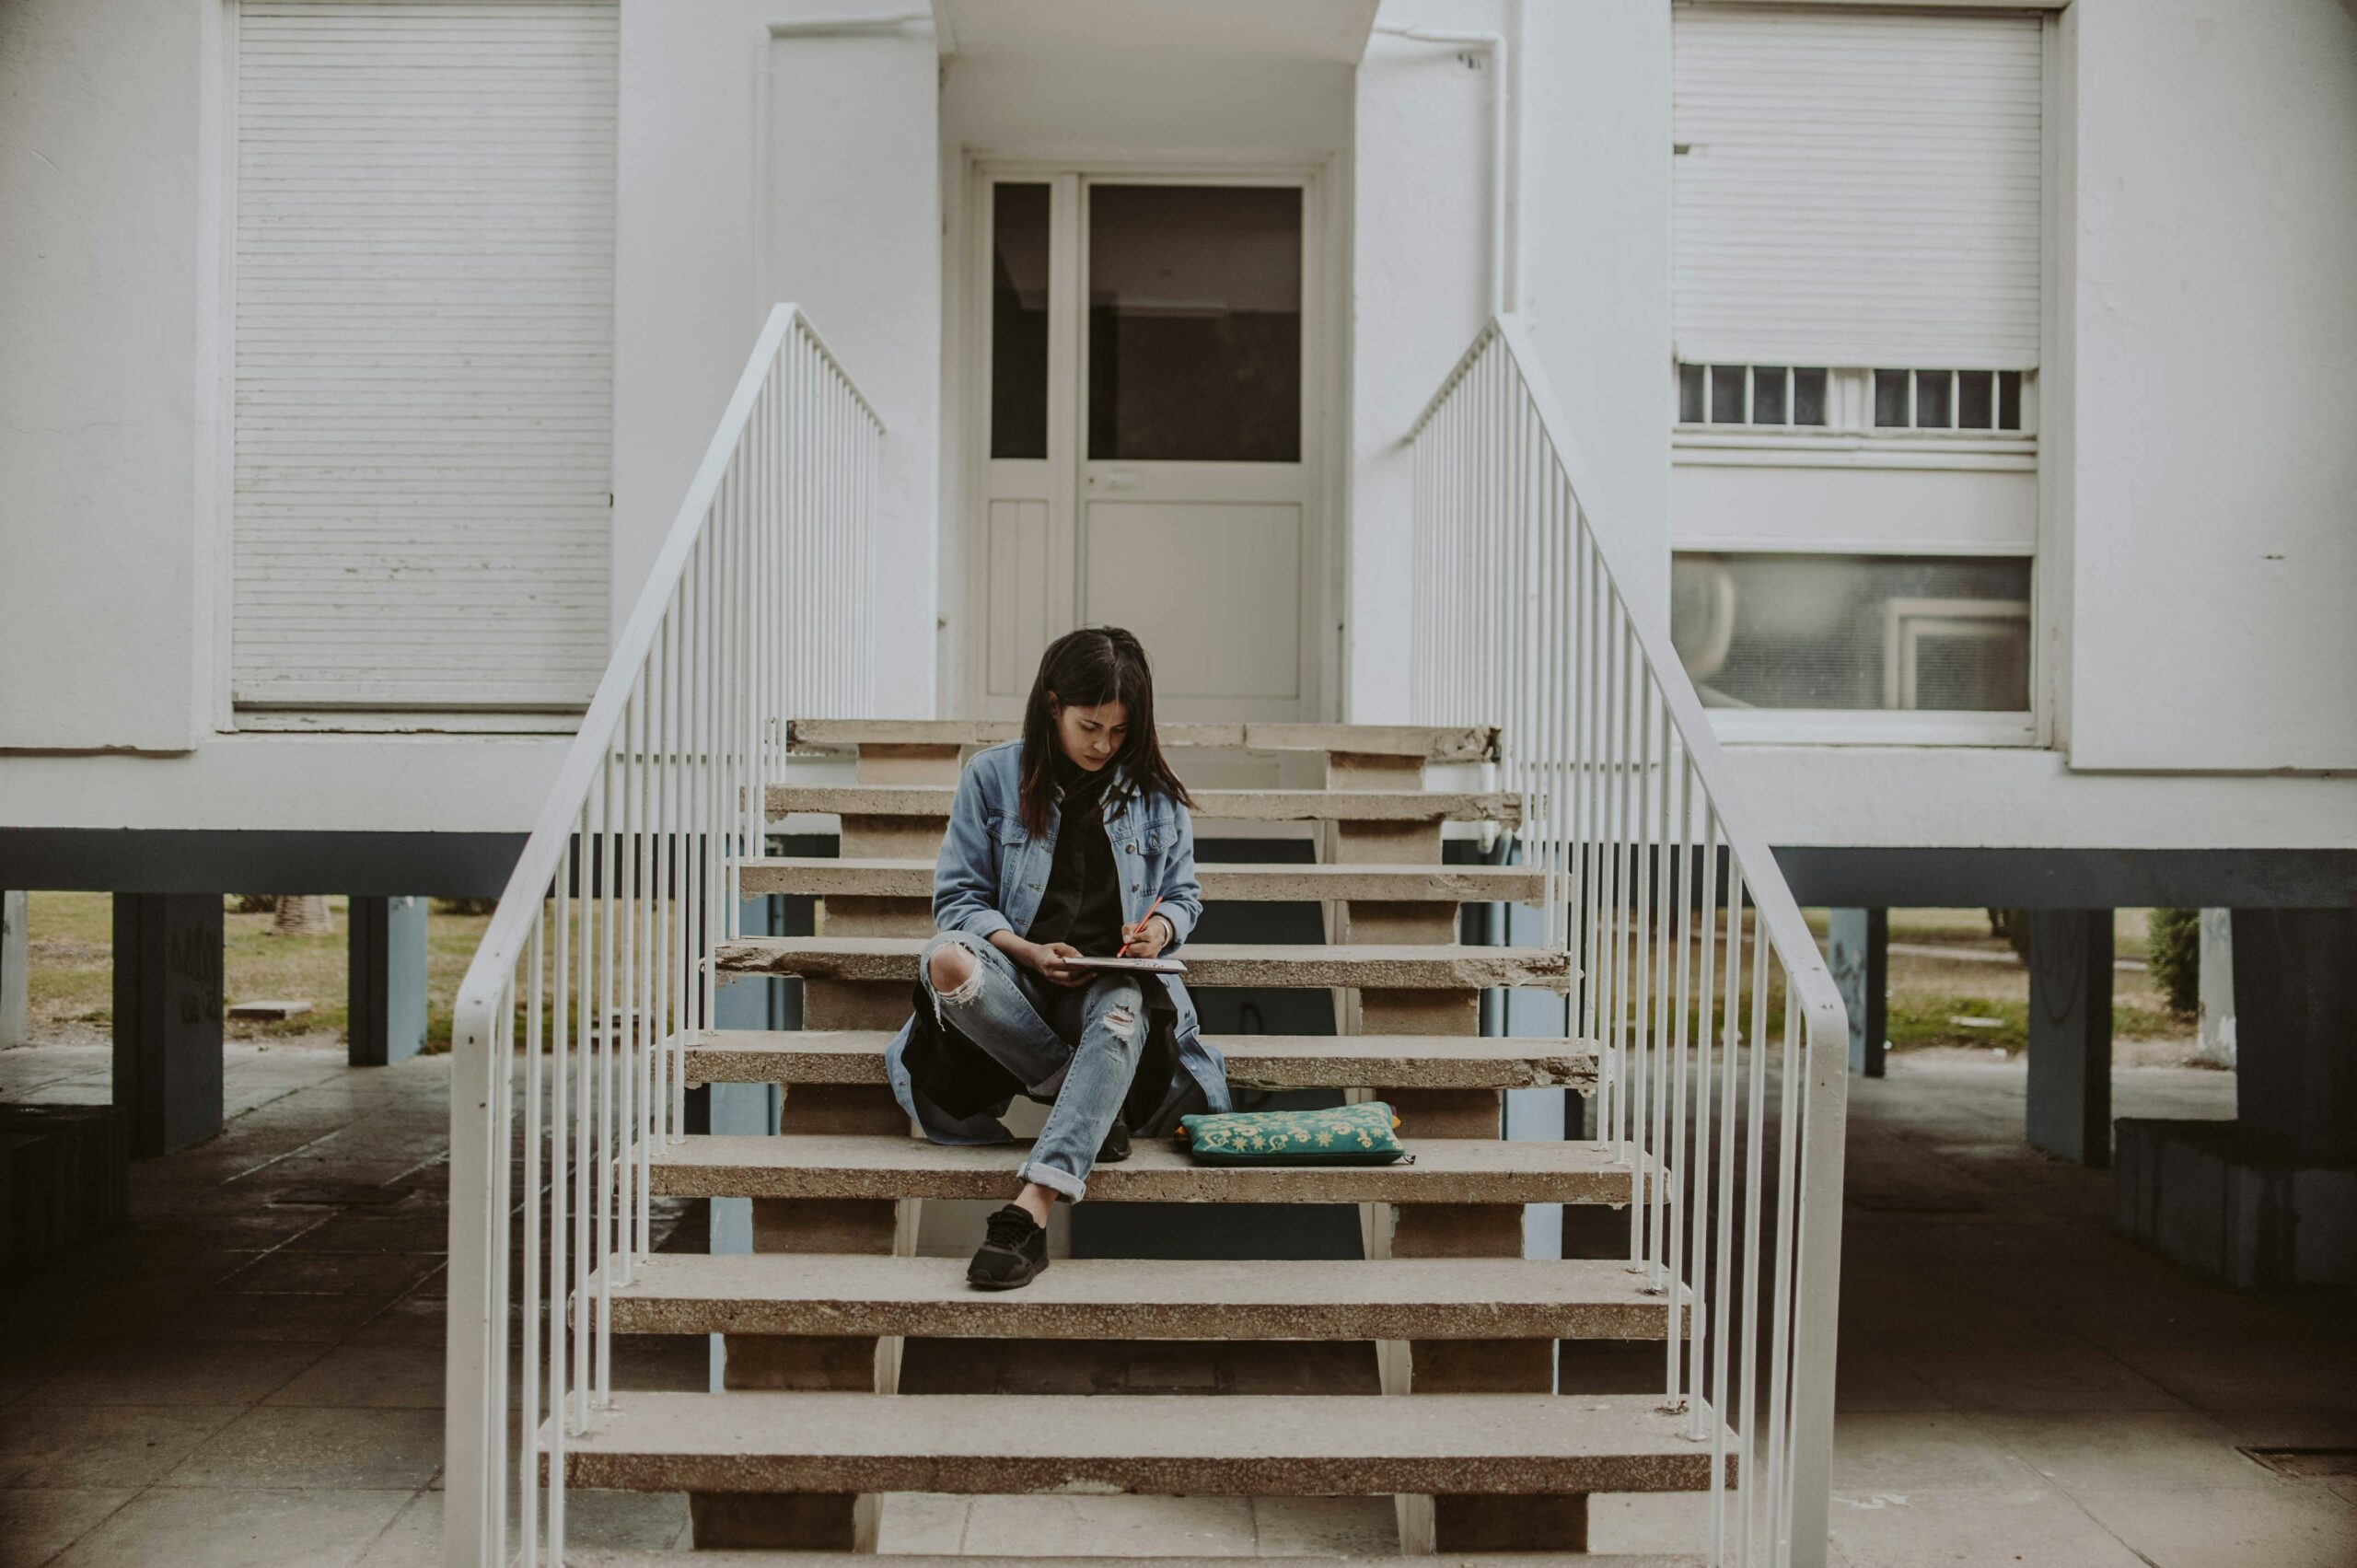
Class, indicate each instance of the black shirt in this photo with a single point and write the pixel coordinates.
(1081, 904)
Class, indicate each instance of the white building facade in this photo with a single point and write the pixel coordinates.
(1974, 378)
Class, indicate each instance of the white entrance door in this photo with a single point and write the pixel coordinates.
(1147, 450)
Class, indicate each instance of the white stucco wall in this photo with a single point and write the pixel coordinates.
(1586, 181)
(1422, 252)
(106, 137)
(845, 211)
(2214, 471)
(2206, 469)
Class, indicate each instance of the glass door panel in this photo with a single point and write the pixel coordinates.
(1194, 323)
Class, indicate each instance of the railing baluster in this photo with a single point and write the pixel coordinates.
(1754, 1151)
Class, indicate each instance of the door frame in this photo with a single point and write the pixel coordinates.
(966, 585)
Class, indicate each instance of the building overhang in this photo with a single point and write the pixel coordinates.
(1075, 31)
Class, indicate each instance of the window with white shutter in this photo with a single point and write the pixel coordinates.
(1857, 188)
(1857, 270)
(423, 350)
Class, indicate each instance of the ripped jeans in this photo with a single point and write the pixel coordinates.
(1078, 1043)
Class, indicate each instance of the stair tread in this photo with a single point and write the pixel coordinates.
(1432, 743)
(1479, 1298)
(606, 1557)
(1403, 965)
(913, 878)
(1216, 804)
(848, 1165)
(856, 1056)
(1168, 1444)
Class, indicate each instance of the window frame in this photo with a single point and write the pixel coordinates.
(2041, 448)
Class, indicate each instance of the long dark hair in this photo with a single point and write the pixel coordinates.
(1087, 668)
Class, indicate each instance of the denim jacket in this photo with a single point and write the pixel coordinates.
(990, 877)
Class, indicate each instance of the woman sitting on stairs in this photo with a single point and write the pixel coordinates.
(998, 1012)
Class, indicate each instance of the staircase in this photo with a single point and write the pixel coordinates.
(589, 1013)
(784, 1456)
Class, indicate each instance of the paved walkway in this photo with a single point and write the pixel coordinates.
(252, 1376)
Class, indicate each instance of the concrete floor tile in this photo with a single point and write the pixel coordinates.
(619, 1521)
(2285, 1525)
(177, 1372)
(1934, 1452)
(384, 1274)
(2034, 1528)
(2027, 1371)
(2127, 1449)
(26, 1366)
(110, 1312)
(922, 1521)
(172, 1528)
(1338, 1526)
(56, 1446)
(412, 1320)
(1661, 1523)
(2249, 1372)
(406, 1230)
(1123, 1526)
(255, 1315)
(358, 1377)
(274, 1445)
(1871, 1379)
(37, 1524)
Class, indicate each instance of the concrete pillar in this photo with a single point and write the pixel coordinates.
(16, 1006)
(2268, 1200)
(167, 1017)
(2069, 1034)
(2295, 1015)
(2215, 1042)
(386, 989)
(1858, 948)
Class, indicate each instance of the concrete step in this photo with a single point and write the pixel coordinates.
(849, 1165)
(931, 801)
(604, 1557)
(1273, 1062)
(1103, 1298)
(1431, 745)
(1404, 967)
(1226, 880)
(1233, 1445)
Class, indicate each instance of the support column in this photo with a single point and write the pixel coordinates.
(2215, 1042)
(2069, 1034)
(2295, 1029)
(16, 1006)
(1858, 948)
(168, 1018)
(385, 992)
(2268, 1200)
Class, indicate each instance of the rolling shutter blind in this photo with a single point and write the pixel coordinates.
(1856, 188)
(423, 353)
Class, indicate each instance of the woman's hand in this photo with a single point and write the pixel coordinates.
(1148, 939)
(1045, 960)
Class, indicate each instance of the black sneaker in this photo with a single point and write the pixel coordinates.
(1117, 1143)
(1014, 1249)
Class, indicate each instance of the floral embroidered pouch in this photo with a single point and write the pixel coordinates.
(1346, 1134)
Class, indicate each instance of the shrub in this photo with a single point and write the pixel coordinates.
(2175, 953)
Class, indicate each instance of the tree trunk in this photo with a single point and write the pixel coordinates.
(302, 914)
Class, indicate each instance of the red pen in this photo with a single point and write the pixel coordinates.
(1131, 934)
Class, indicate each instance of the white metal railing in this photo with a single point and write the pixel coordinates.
(1731, 1125)
(756, 611)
